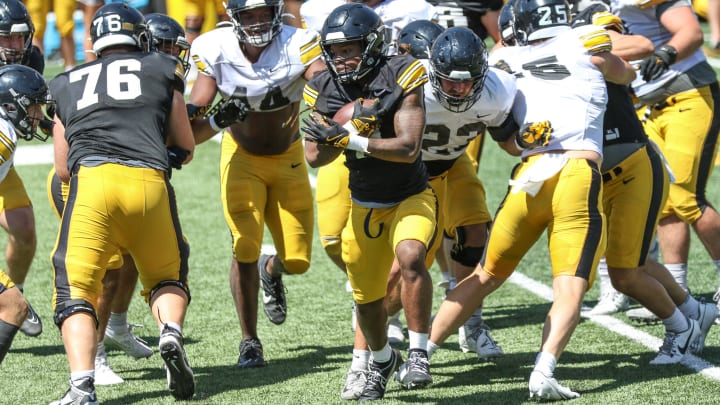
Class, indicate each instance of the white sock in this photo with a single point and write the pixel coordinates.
(604, 276)
(679, 273)
(100, 350)
(690, 307)
(717, 266)
(431, 347)
(677, 322)
(20, 286)
(360, 360)
(545, 363)
(417, 340)
(117, 320)
(383, 355)
(77, 376)
(173, 325)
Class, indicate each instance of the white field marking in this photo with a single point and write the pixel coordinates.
(613, 324)
(33, 155)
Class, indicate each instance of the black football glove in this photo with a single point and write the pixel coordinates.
(324, 131)
(176, 156)
(367, 120)
(534, 134)
(228, 111)
(658, 63)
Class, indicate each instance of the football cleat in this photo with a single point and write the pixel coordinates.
(354, 384)
(610, 303)
(180, 378)
(123, 339)
(378, 376)
(104, 375)
(32, 325)
(676, 345)
(642, 315)
(706, 318)
(716, 298)
(486, 347)
(81, 394)
(251, 353)
(273, 293)
(415, 372)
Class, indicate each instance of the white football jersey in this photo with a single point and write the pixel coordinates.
(645, 22)
(557, 82)
(314, 12)
(448, 133)
(271, 83)
(8, 144)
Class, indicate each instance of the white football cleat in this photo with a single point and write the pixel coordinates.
(548, 388)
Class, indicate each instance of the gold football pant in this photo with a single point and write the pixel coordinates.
(372, 234)
(273, 190)
(569, 206)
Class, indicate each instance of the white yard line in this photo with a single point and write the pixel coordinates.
(619, 327)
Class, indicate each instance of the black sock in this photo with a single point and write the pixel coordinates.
(7, 334)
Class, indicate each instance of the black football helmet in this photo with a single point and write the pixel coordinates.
(168, 36)
(540, 19)
(255, 34)
(119, 24)
(354, 22)
(506, 22)
(417, 37)
(20, 88)
(15, 21)
(458, 54)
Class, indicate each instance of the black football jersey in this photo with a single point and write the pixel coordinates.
(372, 179)
(117, 108)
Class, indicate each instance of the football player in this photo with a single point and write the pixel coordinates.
(259, 66)
(635, 187)
(95, 143)
(23, 94)
(391, 217)
(561, 146)
(462, 98)
(681, 113)
(16, 211)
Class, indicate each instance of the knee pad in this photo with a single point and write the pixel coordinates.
(71, 307)
(169, 283)
(290, 266)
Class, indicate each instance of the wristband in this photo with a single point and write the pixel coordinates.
(213, 125)
(358, 143)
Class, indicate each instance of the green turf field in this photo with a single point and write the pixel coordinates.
(309, 354)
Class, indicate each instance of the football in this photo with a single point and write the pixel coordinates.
(343, 115)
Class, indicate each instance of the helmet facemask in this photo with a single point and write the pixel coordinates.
(27, 117)
(15, 55)
(257, 34)
(373, 47)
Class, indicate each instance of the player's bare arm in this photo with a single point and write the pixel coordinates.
(61, 148)
(613, 68)
(630, 47)
(409, 124)
(683, 24)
